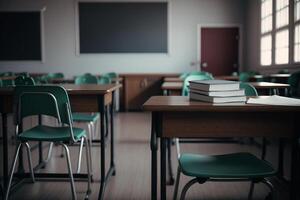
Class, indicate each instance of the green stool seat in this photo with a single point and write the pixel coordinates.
(51, 134)
(236, 165)
(83, 117)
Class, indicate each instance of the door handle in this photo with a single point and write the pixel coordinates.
(204, 64)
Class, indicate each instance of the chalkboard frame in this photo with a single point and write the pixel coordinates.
(77, 28)
(42, 37)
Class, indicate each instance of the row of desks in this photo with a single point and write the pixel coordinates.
(236, 78)
(83, 98)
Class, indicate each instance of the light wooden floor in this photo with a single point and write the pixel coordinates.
(132, 180)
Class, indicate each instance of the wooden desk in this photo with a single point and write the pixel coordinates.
(267, 87)
(228, 78)
(172, 79)
(176, 116)
(83, 98)
(172, 88)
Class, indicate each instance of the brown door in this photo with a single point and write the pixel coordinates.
(219, 50)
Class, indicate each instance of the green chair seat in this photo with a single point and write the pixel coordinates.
(51, 134)
(83, 117)
(236, 165)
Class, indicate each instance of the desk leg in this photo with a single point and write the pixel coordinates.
(102, 148)
(153, 147)
(5, 150)
(112, 148)
(163, 180)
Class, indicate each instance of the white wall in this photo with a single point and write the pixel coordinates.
(60, 38)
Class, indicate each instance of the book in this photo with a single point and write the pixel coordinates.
(214, 85)
(195, 96)
(225, 93)
(275, 100)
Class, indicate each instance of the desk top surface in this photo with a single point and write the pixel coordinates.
(76, 89)
(269, 85)
(182, 103)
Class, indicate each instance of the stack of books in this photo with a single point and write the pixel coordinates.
(217, 91)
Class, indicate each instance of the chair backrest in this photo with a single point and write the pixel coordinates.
(185, 88)
(42, 100)
(249, 89)
(21, 80)
(104, 80)
(294, 82)
(86, 79)
(55, 75)
(8, 82)
(245, 76)
(25, 74)
(111, 75)
(7, 74)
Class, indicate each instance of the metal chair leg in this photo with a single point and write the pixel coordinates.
(170, 169)
(49, 152)
(79, 156)
(87, 149)
(74, 197)
(186, 187)
(106, 122)
(271, 187)
(89, 140)
(1, 192)
(12, 170)
(250, 195)
(30, 162)
(177, 183)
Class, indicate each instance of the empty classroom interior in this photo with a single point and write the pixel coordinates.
(122, 70)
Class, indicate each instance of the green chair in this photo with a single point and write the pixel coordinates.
(23, 80)
(3, 74)
(294, 82)
(86, 79)
(246, 76)
(52, 101)
(8, 82)
(104, 80)
(111, 75)
(185, 88)
(249, 89)
(225, 167)
(89, 118)
(55, 75)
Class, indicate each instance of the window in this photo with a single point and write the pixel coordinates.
(276, 27)
(282, 47)
(266, 50)
(297, 32)
(282, 32)
(266, 28)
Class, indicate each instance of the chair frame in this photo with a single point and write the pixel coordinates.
(72, 139)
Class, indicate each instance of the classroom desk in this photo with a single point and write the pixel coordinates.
(176, 116)
(172, 79)
(175, 88)
(83, 98)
